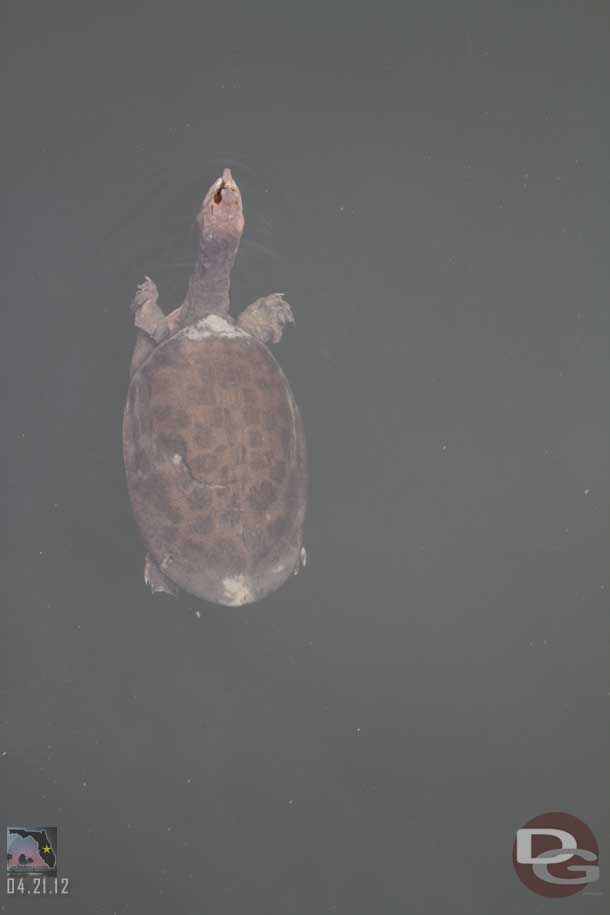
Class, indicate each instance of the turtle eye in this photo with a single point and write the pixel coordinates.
(218, 194)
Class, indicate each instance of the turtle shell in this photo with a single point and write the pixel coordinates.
(216, 463)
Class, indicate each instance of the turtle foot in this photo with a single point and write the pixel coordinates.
(146, 292)
(265, 318)
(156, 580)
(301, 561)
(148, 316)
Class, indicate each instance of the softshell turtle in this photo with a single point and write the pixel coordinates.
(213, 440)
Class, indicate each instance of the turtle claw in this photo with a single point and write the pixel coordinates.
(301, 561)
(148, 316)
(146, 292)
(265, 318)
(156, 580)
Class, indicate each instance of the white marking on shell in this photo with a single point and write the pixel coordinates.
(176, 458)
(214, 326)
(237, 591)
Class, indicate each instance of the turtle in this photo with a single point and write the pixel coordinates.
(213, 440)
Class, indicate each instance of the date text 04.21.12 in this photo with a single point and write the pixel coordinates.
(37, 886)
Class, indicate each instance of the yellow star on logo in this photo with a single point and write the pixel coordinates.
(46, 849)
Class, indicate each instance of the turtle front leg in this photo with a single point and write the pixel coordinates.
(150, 321)
(156, 580)
(265, 318)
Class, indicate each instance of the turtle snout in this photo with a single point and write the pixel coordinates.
(227, 179)
(224, 190)
(222, 208)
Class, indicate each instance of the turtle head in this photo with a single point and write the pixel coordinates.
(221, 223)
(221, 215)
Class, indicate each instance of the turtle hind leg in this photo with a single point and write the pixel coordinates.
(265, 318)
(156, 580)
